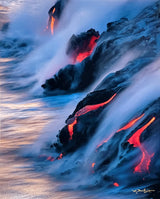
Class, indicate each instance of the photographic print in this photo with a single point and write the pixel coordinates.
(80, 99)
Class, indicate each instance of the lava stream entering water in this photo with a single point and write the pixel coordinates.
(130, 124)
(60, 156)
(52, 22)
(83, 111)
(116, 184)
(127, 126)
(93, 164)
(135, 140)
(70, 128)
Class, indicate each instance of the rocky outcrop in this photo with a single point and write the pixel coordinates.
(81, 46)
(128, 156)
(140, 33)
(114, 83)
(55, 13)
(59, 6)
(136, 140)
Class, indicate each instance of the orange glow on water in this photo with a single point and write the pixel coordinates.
(49, 158)
(81, 56)
(116, 184)
(52, 159)
(135, 140)
(83, 111)
(52, 22)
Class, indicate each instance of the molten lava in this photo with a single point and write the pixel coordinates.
(89, 108)
(60, 156)
(70, 128)
(127, 126)
(130, 124)
(82, 55)
(116, 184)
(83, 111)
(52, 22)
(135, 140)
(93, 164)
(106, 140)
(49, 158)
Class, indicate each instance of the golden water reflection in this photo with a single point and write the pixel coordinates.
(18, 182)
(21, 124)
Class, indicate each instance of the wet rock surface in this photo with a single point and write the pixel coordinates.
(56, 11)
(81, 46)
(140, 33)
(129, 155)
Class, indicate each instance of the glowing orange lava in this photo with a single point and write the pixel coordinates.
(130, 124)
(50, 158)
(83, 55)
(93, 164)
(106, 140)
(89, 108)
(52, 22)
(135, 140)
(127, 126)
(83, 111)
(116, 184)
(60, 156)
(70, 128)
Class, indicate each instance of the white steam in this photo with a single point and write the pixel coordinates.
(143, 91)
(126, 106)
(30, 19)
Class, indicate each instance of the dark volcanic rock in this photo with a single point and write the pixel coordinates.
(113, 83)
(56, 11)
(84, 129)
(117, 25)
(126, 149)
(140, 33)
(117, 150)
(62, 80)
(81, 46)
(120, 143)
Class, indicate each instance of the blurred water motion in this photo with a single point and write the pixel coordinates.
(22, 121)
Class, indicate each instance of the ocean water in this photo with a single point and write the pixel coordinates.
(22, 121)
(23, 118)
(30, 120)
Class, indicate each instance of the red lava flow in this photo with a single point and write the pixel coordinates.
(52, 22)
(83, 111)
(127, 126)
(81, 56)
(135, 140)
